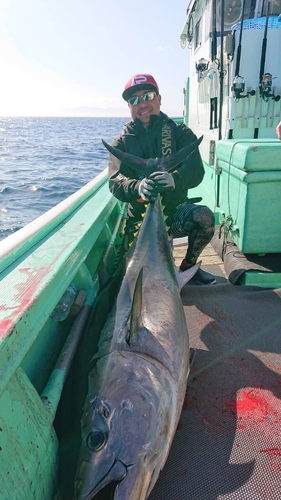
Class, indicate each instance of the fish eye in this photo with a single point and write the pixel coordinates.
(96, 440)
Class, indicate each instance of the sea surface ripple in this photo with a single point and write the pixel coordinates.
(45, 160)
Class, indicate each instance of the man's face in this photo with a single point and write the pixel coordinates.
(145, 109)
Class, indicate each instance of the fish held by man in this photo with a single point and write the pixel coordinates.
(137, 386)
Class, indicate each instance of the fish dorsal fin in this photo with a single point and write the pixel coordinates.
(136, 311)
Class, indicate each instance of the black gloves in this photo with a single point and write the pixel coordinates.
(157, 183)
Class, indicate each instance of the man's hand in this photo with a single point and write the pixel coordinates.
(147, 189)
(163, 181)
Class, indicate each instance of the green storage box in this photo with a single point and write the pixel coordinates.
(255, 155)
(250, 193)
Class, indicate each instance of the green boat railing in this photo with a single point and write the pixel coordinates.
(76, 241)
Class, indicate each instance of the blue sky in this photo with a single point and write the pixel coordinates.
(60, 55)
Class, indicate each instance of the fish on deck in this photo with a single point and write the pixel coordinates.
(137, 386)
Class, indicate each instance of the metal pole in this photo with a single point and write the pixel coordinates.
(221, 69)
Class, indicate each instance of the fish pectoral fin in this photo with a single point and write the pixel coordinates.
(135, 484)
(136, 311)
(185, 276)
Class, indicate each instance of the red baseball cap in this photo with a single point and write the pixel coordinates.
(141, 81)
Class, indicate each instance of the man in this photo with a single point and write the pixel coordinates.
(151, 134)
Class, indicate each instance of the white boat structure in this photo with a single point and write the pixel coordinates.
(232, 96)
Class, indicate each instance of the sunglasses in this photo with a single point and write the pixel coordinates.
(147, 96)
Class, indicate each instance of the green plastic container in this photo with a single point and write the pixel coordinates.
(250, 193)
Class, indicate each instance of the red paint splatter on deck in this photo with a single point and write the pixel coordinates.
(253, 407)
(248, 401)
(249, 409)
(251, 401)
(275, 368)
(276, 452)
(256, 408)
(274, 455)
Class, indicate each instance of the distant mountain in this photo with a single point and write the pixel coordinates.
(85, 111)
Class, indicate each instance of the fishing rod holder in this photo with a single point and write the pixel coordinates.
(266, 88)
(238, 88)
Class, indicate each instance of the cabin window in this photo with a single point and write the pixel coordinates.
(198, 34)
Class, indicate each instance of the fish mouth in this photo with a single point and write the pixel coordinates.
(105, 488)
(106, 493)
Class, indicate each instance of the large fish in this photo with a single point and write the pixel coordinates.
(137, 386)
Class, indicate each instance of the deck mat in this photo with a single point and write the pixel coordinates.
(228, 441)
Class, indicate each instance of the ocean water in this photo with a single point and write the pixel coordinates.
(45, 160)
